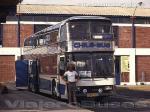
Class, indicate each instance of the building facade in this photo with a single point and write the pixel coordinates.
(132, 64)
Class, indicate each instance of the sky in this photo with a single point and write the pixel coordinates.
(122, 3)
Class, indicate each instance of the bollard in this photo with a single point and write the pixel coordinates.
(142, 78)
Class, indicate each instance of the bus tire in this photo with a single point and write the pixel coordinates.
(32, 86)
(29, 85)
(54, 88)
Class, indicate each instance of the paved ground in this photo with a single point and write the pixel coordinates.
(137, 92)
(24, 101)
(126, 100)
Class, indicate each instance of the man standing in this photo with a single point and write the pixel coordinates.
(71, 77)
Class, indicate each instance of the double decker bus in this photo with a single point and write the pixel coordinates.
(86, 41)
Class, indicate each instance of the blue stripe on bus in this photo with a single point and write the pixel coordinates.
(45, 84)
(61, 88)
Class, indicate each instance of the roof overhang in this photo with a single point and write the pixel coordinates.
(82, 10)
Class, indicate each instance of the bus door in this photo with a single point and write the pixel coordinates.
(117, 70)
(21, 74)
(33, 76)
(61, 84)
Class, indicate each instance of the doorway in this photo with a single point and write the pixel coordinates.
(117, 70)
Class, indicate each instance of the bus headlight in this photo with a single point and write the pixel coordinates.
(84, 91)
(108, 88)
(100, 90)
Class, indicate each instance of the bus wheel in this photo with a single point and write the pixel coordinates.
(29, 85)
(54, 88)
(32, 87)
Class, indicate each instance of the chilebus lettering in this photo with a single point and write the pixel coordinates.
(91, 45)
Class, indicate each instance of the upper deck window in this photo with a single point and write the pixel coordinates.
(88, 29)
(100, 28)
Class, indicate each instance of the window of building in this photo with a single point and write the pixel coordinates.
(41, 18)
(114, 19)
(124, 20)
(57, 18)
(148, 20)
(116, 35)
(27, 18)
(11, 18)
(140, 20)
(39, 27)
(128, 20)
(1, 36)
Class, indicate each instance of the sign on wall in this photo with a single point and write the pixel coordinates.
(124, 63)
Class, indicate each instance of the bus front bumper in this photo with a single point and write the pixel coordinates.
(95, 91)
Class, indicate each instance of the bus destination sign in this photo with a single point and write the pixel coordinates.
(92, 45)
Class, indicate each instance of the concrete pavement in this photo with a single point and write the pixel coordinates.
(25, 101)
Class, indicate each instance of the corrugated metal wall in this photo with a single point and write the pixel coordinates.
(124, 3)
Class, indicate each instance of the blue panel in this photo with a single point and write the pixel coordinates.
(45, 84)
(117, 70)
(117, 76)
(61, 88)
(22, 73)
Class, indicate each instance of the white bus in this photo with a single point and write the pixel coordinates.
(86, 41)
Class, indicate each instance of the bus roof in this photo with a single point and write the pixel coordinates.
(53, 27)
(87, 17)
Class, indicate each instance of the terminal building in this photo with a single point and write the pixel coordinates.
(131, 61)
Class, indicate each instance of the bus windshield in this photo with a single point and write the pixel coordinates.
(81, 30)
(103, 65)
(94, 64)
